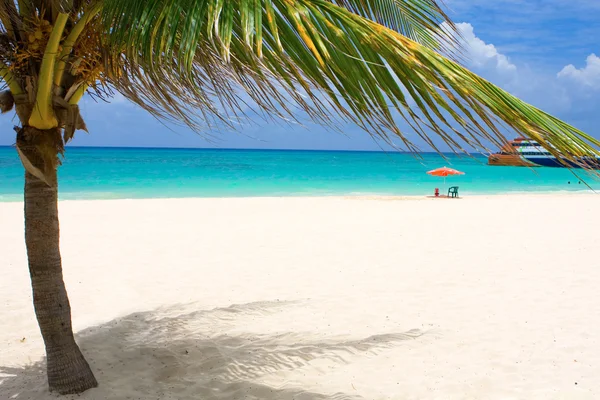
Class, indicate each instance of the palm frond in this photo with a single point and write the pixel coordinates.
(26, 7)
(9, 18)
(187, 60)
(419, 20)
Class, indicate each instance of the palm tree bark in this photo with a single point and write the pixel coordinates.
(68, 371)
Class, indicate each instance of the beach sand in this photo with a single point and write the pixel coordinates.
(318, 298)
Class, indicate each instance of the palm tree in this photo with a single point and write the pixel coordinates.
(199, 62)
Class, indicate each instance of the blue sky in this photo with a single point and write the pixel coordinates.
(543, 51)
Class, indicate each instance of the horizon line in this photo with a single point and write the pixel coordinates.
(474, 153)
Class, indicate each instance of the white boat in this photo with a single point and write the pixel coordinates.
(525, 152)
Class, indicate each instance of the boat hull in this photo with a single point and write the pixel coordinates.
(508, 160)
(555, 163)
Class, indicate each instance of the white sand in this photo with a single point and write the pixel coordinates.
(319, 298)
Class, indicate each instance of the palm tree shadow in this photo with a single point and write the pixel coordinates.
(174, 353)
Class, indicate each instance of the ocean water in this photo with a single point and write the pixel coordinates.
(111, 173)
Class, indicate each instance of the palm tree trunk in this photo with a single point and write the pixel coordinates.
(68, 371)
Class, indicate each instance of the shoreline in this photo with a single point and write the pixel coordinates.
(115, 174)
(365, 196)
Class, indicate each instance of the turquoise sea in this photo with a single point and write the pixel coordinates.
(110, 173)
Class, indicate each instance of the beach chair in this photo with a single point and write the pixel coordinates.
(453, 191)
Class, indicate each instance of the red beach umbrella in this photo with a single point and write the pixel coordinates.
(444, 171)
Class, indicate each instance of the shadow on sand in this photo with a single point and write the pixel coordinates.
(176, 353)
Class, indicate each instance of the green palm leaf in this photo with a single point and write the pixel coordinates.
(419, 20)
(187, 59)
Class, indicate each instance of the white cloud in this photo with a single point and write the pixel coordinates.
(587, 76)
(481, 54)
(538, 87)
